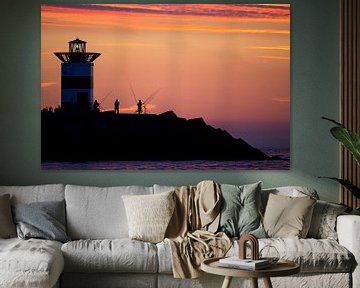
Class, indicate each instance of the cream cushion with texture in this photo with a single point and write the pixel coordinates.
(149, 215)
(287, 217)
(323, 222)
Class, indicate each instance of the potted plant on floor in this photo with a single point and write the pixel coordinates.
(351, 141)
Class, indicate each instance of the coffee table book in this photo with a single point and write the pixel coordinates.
(248, 264)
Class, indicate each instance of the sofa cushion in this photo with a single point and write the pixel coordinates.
(117, 255)
(240, 210)
(98, 213)
(163, 188)
(30, 263)
(149, 215)
(164, 257)
(313, 255)
(323, 222)
(43, 220)
(287, 216)
(7, 226)
(291, 191)
(36, 193)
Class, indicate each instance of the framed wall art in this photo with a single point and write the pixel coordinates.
(165, 86)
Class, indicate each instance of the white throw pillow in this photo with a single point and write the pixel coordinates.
(149, 215)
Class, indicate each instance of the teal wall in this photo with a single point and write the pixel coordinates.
(314, 93)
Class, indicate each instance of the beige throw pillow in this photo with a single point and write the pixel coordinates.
(7, 226)
(149, 215)
(288, 217)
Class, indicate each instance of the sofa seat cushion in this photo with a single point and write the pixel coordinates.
(30, 263)
(115, 255)
(313, 255)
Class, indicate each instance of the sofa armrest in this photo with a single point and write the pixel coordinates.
(348, 230)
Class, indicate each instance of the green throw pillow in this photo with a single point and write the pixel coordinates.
(240, 213)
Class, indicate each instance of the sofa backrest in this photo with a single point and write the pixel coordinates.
(98, 212)
(293, 191)
(163, 188)
(36, 193)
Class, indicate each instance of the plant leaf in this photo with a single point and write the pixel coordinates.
(347, 184)
(333, 121)
(348, 138)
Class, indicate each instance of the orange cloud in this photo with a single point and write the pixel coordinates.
(283, 48)
(47, 84)
(127, 43)
(245, 11)
(138, 16)
(281, 99)
(133, 108)
(275, 57)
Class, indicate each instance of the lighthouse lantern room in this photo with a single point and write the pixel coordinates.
(77, 75)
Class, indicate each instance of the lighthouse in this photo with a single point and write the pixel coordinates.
(77, 75)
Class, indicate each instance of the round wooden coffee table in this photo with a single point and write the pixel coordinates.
(281, 268)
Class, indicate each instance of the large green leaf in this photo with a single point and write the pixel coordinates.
(349, 139)
(348, 185)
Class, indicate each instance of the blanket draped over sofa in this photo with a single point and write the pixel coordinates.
(191, 232)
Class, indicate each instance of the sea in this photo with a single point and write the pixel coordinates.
(282, 162)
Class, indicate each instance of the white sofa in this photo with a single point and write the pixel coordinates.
(101, 254)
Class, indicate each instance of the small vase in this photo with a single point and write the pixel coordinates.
(270, 253)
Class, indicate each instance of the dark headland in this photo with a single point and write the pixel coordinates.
(106, 136)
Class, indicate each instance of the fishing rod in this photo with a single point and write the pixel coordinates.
(151, 96)
(107, 95)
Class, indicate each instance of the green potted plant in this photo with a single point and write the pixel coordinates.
(351, 141)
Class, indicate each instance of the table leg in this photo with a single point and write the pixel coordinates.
(254, 282)
(227, 282)
(267, 283)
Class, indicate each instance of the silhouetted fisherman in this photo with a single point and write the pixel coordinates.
(139, 109)
(117, 106)
(96, 106)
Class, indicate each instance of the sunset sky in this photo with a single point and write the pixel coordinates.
(229, 64)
